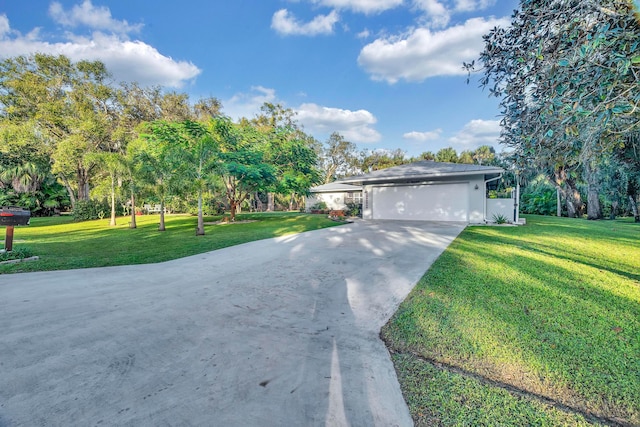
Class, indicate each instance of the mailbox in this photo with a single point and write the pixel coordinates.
(13, 215)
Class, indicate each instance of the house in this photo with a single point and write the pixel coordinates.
(335, 195)
(429, 191)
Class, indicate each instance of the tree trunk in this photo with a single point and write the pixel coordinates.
(571, 207)
(200, 229)
(270, 202)
(133, 210)
(259, 206)
(83, 184)
(634, 208)
(234, 206)
(291, 200)
(559, 205)
(574, 201)
(328, 178)
(72, 196)
(112, 223)
(594, 210)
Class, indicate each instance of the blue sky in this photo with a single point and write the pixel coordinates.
(386, 74)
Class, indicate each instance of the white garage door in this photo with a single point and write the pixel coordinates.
(441, 202)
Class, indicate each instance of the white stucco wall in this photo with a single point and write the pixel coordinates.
(503, 207)
(334, 201)
(476, 200)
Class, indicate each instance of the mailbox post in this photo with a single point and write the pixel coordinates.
(11, 216)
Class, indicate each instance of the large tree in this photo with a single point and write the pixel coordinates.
(566, 72)
(161, 163)
(447, 154)
(71, 105)
(338, 158)
(201, 154)
(373, 160)
(292, 153)
(241, 160)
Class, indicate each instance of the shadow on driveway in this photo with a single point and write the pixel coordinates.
(274, 332)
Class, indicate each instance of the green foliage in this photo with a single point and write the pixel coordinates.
(320, 206)
(540, 201)
(500, 219)
(551, 308)
(339, 158)
(538, 198)
(86, 210)
(447, 155)
(354, 209)
(19, 253)
(370, 161)
(567, 79)
(46, 201)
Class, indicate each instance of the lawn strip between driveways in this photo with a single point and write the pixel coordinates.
(551, 309)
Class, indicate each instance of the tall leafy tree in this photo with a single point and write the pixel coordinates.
(200, 153)
(338, 158)
(68, 104)
(370, 161)
(566, 72)
(447, 154)
(162, 162)
(466, 157)
(113, 167)
(292, 153)
(241, 161)
(484, 154)
(294, 158)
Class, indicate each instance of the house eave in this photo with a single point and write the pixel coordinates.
(355, 180)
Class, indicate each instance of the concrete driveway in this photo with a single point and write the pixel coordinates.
(279, 332)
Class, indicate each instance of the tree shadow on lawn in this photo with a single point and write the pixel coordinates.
(566, 346)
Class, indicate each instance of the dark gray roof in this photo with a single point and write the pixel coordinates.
(425, 169)
(334, 187)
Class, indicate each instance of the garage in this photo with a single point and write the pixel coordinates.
(430, 191)
(436, 202)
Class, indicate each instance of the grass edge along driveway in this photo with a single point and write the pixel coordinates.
(64, 244)
(551, 309)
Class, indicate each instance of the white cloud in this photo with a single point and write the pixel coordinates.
(364, 34)
(247, 104)
(363, 6)
(127, 60)
(424, 53)
(4, 26)
(472, 5)
(287, 24)
(94, 17)
(476, 133)
(423, 136)
(436, 12)
(355, 126)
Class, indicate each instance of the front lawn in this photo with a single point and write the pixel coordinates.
(63, 244)
(551, 310)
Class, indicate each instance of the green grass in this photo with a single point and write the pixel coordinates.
(439, 397)
(552, 308)
(63, 244)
